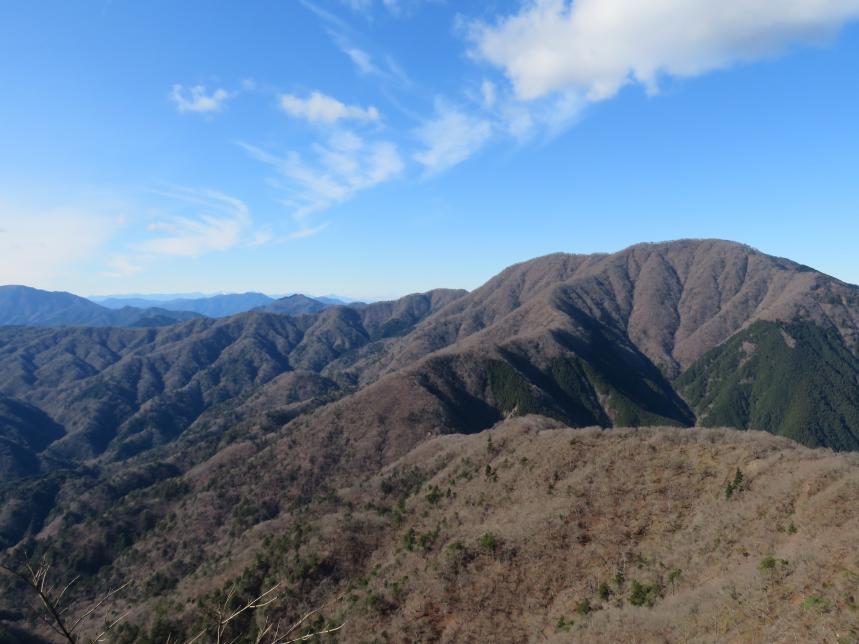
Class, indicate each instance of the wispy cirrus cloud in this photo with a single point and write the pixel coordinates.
(386, 69)
(324, 109)
(394, 7)
(450, 137)
(303, 233)
(336, 170)
(196, 222)
(198, 99)
(343, 35)
(361, 59)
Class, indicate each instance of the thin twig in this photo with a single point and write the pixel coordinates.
(311, 613)
(37, 579)
(309, 636)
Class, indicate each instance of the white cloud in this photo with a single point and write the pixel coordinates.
(319, 108)
(343, 165)
(359, 5)
(343, 36)
(361, 59)
(209, 221)
(548, 116)
(261, 237)
(395, 7)
(450, 137)
(196, 98)
(303, 233)
(326, 16)
(595, 47)
(122, 267)
(487, 93)
(39, 247)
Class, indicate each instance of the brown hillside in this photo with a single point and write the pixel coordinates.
(674, 300)
(533, 531)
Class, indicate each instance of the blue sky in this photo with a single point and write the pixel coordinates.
(377, 147)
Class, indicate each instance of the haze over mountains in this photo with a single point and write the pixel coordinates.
(22, 305)
(25, 306)
(223, 305)
(319, 426)
(213, 306)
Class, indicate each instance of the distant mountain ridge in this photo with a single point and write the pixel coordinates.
(214, 306)
(223, 305)
(25, 306)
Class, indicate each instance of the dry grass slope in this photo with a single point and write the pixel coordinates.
(539, 532)
(533, 531)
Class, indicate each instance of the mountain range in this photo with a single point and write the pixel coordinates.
(224, 305)
(25, 306)
(345, 449)
(213, 306)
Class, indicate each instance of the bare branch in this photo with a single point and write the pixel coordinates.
(310, 636)
(197, 636)
(311, 613)
(97, 605)
(223, 618)
(255, 603)
(264, 630)
(100, 636)
(304, 638)
(63, 591)
(36, 578)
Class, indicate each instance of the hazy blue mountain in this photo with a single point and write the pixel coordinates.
(218, 306)
(118, 300)
(225, 304)
(121, 302)
(336, 299)
(213, 306)
(22, 305)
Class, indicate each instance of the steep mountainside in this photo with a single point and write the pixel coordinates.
(674, 300)
(21, 305)
(286, 447)
(668, 304)
(794, 379)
